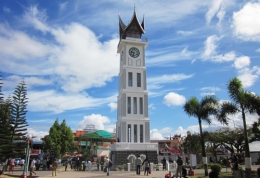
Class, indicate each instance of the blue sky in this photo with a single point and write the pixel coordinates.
(66, 51)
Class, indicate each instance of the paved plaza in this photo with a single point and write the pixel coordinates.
(80, 174)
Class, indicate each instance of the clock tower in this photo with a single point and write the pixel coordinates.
(133, 124)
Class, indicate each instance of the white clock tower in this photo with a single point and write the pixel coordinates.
(133, 124)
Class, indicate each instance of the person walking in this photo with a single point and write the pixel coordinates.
(210, 160)
(32, 167)
(138, 162)
(22, 163)
(187, 160)
(38, 164)
(11, 165)
(66, 164)
(174, 168)
(54, 167)
(146, 164)
(44, 164)
(108, 165)
(164, 163)
(85, 165)
(179, 167)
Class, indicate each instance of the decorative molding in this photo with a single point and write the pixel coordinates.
(130, 62)
(138, 62)
(131, 155)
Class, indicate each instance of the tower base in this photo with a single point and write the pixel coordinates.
(123, 153)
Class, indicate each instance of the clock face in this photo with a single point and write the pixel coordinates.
(134, 52)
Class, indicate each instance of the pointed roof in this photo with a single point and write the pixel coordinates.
(133, 21)
(134, 26)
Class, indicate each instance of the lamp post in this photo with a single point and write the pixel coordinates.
(25, 168)
(189, 136)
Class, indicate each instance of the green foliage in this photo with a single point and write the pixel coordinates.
(13, 122)
(87, 154)
(242, 102)
(216, 168)
(18, 115)
(231, 139)
(202, 111)
(192, 145)
(60, 139)
(121, 167)
(256, 131)
(5, 127)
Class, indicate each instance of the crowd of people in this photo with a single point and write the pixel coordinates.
(77, 164)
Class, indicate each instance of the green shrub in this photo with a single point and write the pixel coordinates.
(216, 168)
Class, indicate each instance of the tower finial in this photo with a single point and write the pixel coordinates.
(134, 7)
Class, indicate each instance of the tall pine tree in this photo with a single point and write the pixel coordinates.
(18, 119)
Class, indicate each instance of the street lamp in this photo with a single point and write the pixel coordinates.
(25, 168)
(189, 136)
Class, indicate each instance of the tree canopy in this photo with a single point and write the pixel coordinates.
(60, 139)
(202, 111)
(242, 102)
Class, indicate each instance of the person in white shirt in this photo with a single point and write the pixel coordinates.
(107, 165)
(32, 167)
(138, 163)
(22, 162)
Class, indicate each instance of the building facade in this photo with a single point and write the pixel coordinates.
(133, 124)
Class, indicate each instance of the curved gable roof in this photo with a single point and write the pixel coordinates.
(133, 26)
(99, 134)
(133, 21)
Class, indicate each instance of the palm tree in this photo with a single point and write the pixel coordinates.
(243, 102)
(203, 110)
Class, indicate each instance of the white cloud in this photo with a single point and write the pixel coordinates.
(224, 58)
(258, 50)
(12, 81)
(174, 99)
(245, 22)
(156, 135)
(36, 18)
(207, 93)
(210, 89)
(214, 9)
(32, 50)
(79, 57)
(36, 133)
(6, 9)
(156, 82)
(63, 6)
(51, 101)
(248, 76)
(180, 32)
(113, 106)
(210, 46)
(210, 53)
(242, 62)
(74, 58)
(162, 57)
(221, 14)
(96, 119)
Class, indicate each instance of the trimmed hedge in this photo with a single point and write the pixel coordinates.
(216, 168)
